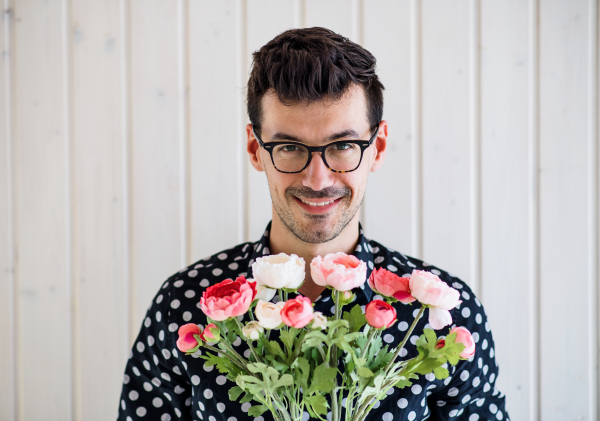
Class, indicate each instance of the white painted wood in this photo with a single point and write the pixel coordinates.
(341, 16)
(7, 304)
(155, 165)
(564, 199)
(504, 194)
(217, 145)
(265, 19)
(100, 303)
(387, 202)
(41, 209)
(445, 133)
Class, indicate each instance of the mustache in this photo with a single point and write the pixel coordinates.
(326, 193)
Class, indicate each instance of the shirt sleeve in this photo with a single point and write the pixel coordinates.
(155, 384)
(469, 393)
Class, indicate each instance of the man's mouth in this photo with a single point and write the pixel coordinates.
(317, 203)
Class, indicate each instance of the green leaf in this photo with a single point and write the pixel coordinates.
(275, 349)
(322, 380)
(302, 370)
(287, 337)
(246, 398)
(440, 373)
(402, 383)
(257, 410)
(355, 318)
(232, 330)
(235, 393)
(364, 372)
(318, 404)
(285, 380)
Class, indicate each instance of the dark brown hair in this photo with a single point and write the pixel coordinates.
(312, 64)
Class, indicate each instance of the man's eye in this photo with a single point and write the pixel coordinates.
(344, 146)
(289, 148)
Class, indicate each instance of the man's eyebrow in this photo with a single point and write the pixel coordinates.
(348, 133)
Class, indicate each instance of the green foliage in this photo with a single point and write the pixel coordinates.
(322, 380)
(257, 410)
(356, 319)
(317, 405)
(235, 392)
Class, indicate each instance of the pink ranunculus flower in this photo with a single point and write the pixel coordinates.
(388, 284)
(340, 271)
(464, 337)
(380, 314)
(430, 290)
(207, 335)
(228, 298)
(297, 312)
(186, 339)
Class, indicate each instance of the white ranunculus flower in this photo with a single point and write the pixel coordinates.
(252, 330)
(319, 321)
(264, 293)
(279, 271)
(269, 314)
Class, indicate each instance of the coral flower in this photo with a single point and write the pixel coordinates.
(228, 298)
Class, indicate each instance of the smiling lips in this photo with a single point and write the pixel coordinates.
(317, 204)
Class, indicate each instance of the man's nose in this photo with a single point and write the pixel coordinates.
(317, 176)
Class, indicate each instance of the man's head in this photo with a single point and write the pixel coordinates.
(313, 87)
(312, 64)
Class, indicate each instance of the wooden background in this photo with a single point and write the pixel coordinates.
(122, 160)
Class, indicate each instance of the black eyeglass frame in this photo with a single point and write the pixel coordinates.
(363, 144)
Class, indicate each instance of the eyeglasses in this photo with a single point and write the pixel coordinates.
(293, 157)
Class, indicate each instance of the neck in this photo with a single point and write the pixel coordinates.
(282, 240)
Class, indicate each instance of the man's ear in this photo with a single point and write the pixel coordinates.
(380, 147)
(253, 149)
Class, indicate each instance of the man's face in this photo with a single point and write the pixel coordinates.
(317, 203)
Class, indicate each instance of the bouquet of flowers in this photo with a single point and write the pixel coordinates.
(316, 363)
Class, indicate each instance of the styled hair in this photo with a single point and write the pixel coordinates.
(312, 64)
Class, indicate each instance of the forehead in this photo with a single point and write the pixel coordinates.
(316, 119)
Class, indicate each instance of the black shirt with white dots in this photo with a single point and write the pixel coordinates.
(161, 383)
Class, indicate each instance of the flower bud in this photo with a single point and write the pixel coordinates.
(252, 330)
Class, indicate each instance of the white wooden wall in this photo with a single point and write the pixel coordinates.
(122, 160)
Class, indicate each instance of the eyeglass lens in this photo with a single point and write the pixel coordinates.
(340, 157)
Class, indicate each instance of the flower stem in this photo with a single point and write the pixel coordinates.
(240, 364)
(372, 333)
(335, 410)
(410, 330)
(248, 341)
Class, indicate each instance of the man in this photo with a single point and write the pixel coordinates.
(309, 88)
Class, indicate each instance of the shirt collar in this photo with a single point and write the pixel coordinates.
(363, 251)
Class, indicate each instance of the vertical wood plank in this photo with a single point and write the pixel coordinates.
(216, 144)
(504, 205)
(564, 206)
(387, 202)
(7, 304)
(262, 27)
(43, 285)
(99, 273)
(341, 16)
(445, 133)
(155, 185)
(593, 215)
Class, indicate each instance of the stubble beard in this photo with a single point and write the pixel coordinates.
(316, 229)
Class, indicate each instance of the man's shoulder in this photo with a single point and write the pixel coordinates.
(183, 289)
(403, 265)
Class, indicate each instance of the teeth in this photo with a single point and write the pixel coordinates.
(316, 204)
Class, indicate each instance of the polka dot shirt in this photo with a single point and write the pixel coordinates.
(161, 383)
